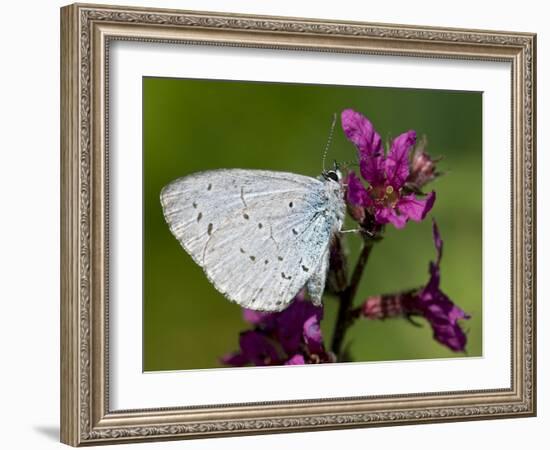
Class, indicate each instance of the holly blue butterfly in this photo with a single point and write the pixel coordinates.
(260, 236)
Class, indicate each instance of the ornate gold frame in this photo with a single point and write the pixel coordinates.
(86, 31)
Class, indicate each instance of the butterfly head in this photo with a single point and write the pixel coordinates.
(333, 175)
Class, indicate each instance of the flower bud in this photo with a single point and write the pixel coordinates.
(383, 306)
(423, 167)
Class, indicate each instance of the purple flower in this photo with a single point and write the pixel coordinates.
(386, 198)
(428, 301)
(292, 336)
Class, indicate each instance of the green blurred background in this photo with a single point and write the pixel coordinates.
(195, 125)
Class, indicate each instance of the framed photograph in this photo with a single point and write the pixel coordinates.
(275, 224)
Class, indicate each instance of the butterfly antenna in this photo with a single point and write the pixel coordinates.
(329, 140)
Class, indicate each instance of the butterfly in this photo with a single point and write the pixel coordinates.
(260, 236)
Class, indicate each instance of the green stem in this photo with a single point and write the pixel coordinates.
(344, 318)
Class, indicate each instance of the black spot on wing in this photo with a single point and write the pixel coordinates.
(199, 217)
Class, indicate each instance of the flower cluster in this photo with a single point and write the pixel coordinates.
(429, 302)
(292, 336)
(389, 197)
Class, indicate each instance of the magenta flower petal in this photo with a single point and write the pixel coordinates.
(443, 316)
(414, 208)
(457, 314)
(312, 334)
(454, 338)
(372, 169)
(295, 360)
(388, 215)
(356, 193)
(361, 132)
(397, 161)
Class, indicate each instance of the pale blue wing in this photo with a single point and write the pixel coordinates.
(258, 235)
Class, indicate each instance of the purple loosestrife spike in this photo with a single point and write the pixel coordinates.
(386, 197)
(428, 301)
(435, 306)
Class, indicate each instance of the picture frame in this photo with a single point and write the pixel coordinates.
(87, 388)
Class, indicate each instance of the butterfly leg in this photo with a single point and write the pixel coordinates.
(354, 230)
(357, 231)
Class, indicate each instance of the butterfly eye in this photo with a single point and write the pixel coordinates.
(333, 175)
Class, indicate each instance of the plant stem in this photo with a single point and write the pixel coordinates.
(344, 319)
